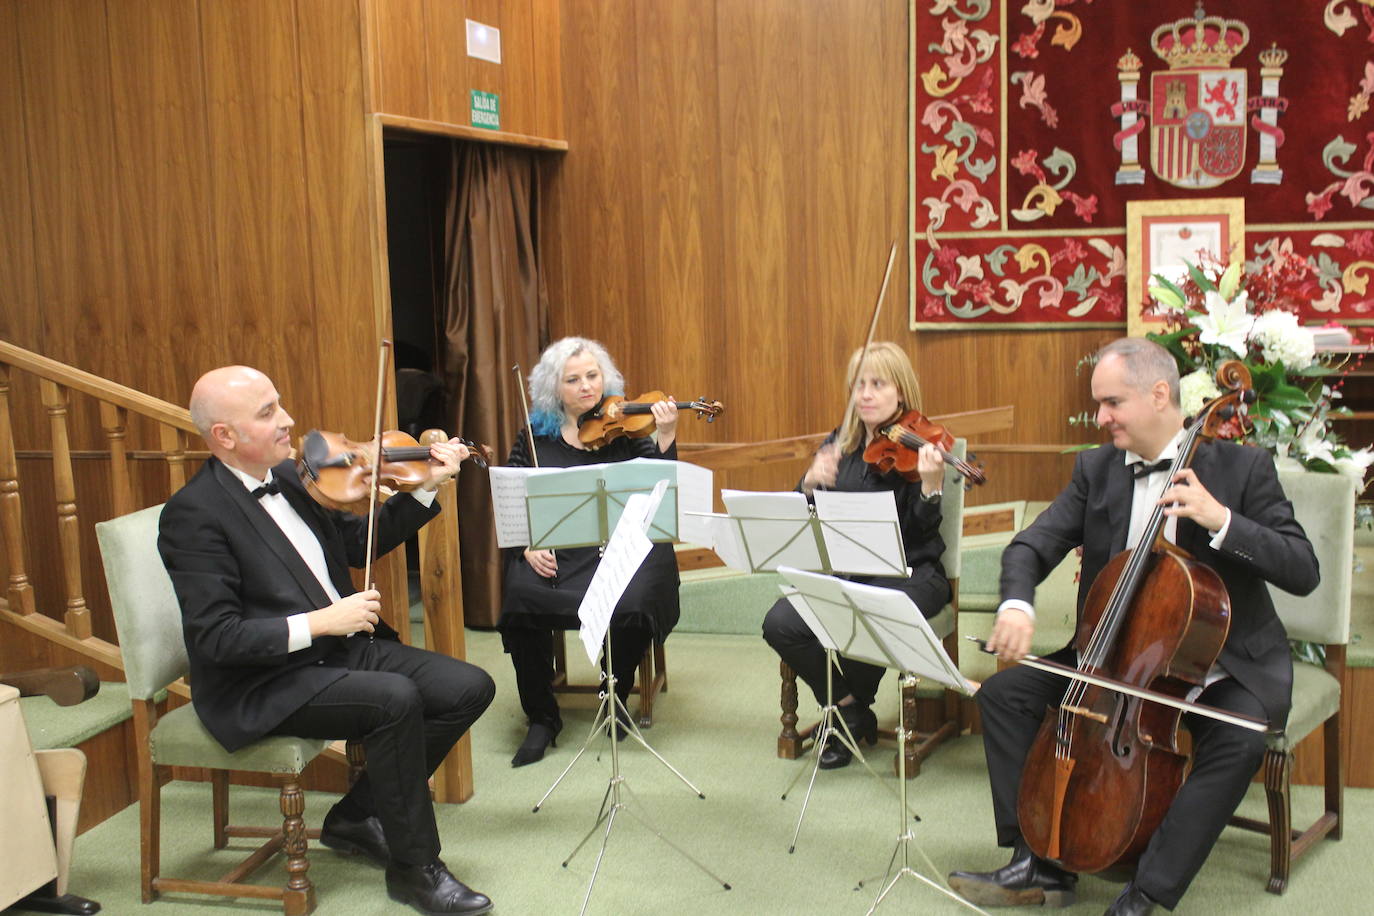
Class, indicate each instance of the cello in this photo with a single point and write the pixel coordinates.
(1106, 763)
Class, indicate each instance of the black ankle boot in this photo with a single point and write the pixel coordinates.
(1132, 901)
(537, 740)
(1026, 880)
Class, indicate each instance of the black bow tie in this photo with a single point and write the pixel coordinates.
(271, 488)
(1141, 469)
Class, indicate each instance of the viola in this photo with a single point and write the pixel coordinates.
(614, 417)
(1106, 764)
(895, 447)
(338, 472)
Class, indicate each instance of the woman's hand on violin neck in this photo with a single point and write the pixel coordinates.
(931, 465)
(825, 467)
(665, 421)
(543, 562)
(1011, 635)
(447, 457)
(358, 612)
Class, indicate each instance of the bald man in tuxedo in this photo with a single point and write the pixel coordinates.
(1229, 512)
(280, 642)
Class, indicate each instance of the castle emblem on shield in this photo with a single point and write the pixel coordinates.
(1198, 107)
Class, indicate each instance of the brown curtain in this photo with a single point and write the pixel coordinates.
(493, 314)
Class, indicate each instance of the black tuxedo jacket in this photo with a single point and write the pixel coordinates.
(1264, 542)
(238, 578)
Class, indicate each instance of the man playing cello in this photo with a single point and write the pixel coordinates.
(1228, 511)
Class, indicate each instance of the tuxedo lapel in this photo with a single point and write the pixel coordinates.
(272, 536)
(313, 516)
(1120, 488)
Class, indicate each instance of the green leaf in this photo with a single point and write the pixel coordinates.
(1230, 281)
(1161, 280)
(1166, 296)
(1201, 279)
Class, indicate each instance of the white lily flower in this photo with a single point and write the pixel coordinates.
(1225, 324)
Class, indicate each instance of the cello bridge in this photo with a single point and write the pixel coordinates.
(1086, 713)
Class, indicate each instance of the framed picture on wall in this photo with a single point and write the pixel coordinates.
(1163, 236)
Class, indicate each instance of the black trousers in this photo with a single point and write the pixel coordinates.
(1225, 758)
(408, 706)
(792, 639)
(531, 654)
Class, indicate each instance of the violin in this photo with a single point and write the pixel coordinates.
(895, 447)
(614, 417)
(337, 471)
(1105, 765)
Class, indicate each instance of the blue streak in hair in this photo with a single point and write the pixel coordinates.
(545, 424)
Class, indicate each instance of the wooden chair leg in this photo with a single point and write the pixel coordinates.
(908, 748)
(357, 760)
(661, 666)
(149, 826)
(789, 742)
(646, 689)
(298, 898)
(219, 805)
(1334, 774)
(1277, 773)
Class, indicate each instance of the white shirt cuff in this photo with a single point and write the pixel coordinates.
(298, 633)
(1016, 604)
(1219, 536)
(424, 497)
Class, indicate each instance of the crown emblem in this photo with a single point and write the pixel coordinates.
(1202, 41)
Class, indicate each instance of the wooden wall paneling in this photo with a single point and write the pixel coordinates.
(338, 187)
(175, 318)
(766, 81)
(20, 319)
(258, 194)
(599, 180)
(547, 62)
(517, 25)
(681, 208)
(451, 72)
(403, 74)
(65, 65)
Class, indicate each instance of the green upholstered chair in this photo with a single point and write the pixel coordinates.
(1325, 506)
(940, 710)
(148, 619)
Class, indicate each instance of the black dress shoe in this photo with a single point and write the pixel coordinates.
(433, 890)
(47, 900)
(1026, 880)
(536, 742)
(1132, 901)
(364, 837)
(863, 725)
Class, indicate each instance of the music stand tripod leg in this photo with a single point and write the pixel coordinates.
(906, 839)
(613, 802)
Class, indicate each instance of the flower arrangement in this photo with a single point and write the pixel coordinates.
(1219, 314)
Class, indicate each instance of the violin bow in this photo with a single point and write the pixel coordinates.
(868, 341)
(525, 406)
(1082, 677)
(368, 584)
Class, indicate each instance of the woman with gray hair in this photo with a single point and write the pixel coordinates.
(544, 587)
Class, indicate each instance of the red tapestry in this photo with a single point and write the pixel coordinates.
(1031, 133)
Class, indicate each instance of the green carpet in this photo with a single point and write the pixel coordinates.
(717, 724)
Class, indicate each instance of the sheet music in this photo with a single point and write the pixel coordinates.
(775, 529)
(625, 552)
(873, 624)
(721, 534)
(508, 495)
(861, 532)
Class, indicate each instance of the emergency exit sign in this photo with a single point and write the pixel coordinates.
(486, 110)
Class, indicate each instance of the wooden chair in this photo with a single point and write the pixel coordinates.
(653, 676)
(928, 720)
(1325, 505)
(148, 620)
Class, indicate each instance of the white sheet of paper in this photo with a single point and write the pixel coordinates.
(873, 624)
(861, 532)
(775, 529)
(695, 491)
(626, 550)
(723, 537)
(508, 496)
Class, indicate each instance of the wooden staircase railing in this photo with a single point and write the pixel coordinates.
(74, 632)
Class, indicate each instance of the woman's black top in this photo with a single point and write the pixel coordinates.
(530, 600)
(920, 523)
